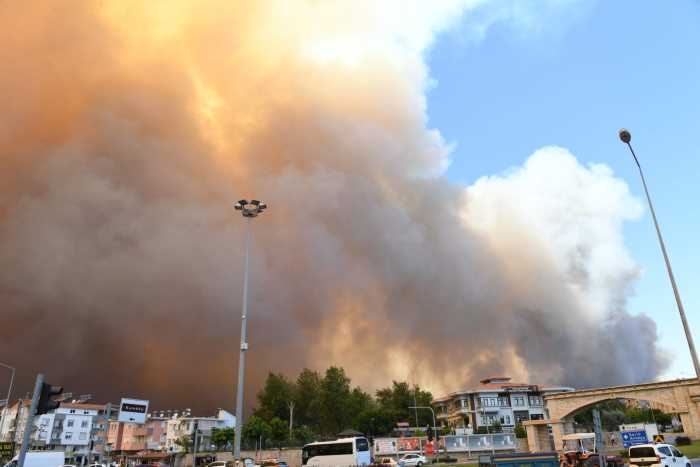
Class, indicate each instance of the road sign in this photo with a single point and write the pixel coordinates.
(658, 438)
(7, 450)
(630, 438)
(133, 411)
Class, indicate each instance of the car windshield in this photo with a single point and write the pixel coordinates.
(642, 451)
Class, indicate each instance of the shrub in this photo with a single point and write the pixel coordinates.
(682, 441)
(520, 431)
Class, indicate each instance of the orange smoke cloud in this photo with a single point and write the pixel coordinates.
(129, 127)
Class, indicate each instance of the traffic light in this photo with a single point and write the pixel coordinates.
(46, 403)
(430, 433)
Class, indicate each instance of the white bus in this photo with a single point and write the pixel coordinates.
(344, 452)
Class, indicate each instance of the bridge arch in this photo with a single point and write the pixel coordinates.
(679, 396)
(589, 402)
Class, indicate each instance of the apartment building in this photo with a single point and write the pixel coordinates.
(179, 426)
(494, 400)
(77, 428)
(13, 420)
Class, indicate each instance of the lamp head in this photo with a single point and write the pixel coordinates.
(625, 136)
(250, 208)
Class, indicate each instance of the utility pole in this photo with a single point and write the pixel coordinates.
(626, 138)
(194, 442)
(249, 209)
(105, 444)
(30, 419)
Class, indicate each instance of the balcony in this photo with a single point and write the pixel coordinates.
(130, 445)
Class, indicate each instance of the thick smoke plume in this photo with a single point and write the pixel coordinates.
(129, 127)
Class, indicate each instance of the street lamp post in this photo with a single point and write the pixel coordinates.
(626, 137)
(249, 210)
(9, 394)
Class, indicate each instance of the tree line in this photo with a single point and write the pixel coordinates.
(321, 405)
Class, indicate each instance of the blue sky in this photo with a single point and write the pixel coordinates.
(573, 80)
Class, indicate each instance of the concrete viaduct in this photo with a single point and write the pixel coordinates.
(680, 396)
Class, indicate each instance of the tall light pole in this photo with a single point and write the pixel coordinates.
(626, 137)
(9, 394)
(250, 210)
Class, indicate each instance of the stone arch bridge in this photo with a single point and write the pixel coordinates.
(680, 396)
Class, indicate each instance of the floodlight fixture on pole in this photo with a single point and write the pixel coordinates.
(626, 138)
(250, 209)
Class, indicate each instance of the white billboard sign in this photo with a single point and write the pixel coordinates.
(385, 446)
(133, 411)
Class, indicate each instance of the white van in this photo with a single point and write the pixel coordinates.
(40, 459)
(657, 455)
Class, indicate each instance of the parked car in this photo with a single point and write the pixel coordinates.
(657, 455)
(273, 463)
(387, 461)
(410, 460)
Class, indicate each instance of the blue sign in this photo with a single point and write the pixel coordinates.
(630, 438)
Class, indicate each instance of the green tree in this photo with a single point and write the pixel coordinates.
(274, 397)
(520, 431)
(185, 442)
(400, 396)
(303, 434)
(279, 430)
(334, 401)
(375, 421)
(222, 437)
(308, 398)
(358, 402)
(256, 428)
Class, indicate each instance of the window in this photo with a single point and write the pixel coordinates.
(83, 436)
(85, 412)
(331, 449)
(518, 400)
(503, 402)
(665, 451)
(362, 444)
(84, 424)
(645, 451)
(489, 402)
(68, 435)
(69, 423)
(676, 452)
(72, 410)
(535, 400)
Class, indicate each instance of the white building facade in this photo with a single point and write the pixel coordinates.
(179, 426)
(76, 428)
(496, 401)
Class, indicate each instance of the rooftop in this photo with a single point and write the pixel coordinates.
(501, 383)
(83, 406)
